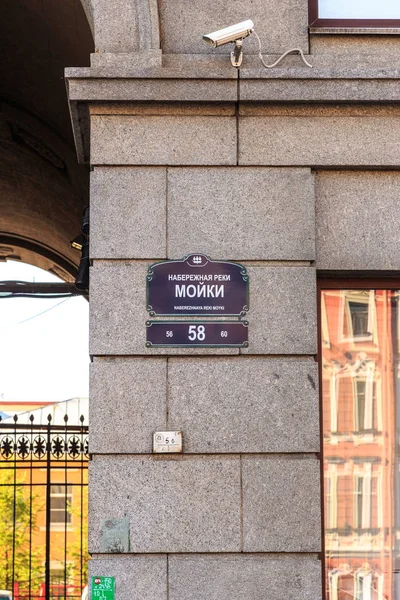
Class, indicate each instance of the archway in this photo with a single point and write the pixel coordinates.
(43, 192)
(42, 188)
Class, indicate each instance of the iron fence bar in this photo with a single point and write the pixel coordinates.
(14, 519)
(81, 538)
(66, 503)
(42, 484)
(30, 512)
(48, 500)
(24, 427)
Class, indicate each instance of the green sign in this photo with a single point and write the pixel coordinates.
(103, 587)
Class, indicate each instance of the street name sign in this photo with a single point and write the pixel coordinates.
(197, 286)
(197, 334)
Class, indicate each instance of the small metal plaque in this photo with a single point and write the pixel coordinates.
(194, 334)
(115, 535)
(103, 588)
(197, 286)
(167, 441)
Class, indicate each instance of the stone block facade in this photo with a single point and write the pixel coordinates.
(287, 172)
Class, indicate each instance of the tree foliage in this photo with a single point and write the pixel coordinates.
(78, 555)
(18, 523)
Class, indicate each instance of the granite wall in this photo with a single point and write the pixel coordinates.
(286, 171)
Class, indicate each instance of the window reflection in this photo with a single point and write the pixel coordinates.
(360, 376)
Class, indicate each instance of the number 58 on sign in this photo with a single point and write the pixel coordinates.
(191, 334)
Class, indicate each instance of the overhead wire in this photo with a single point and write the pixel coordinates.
(43, 312)
(42, 296)
(34, 316)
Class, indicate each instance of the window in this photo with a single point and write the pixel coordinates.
(360, 373)
(359, 503)
(60, 500)
(344, 504)
(365, 405)
(358, 319)
(366, 501)
(360, 14)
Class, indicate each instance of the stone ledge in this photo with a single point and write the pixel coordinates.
(216, 81)
(319, 89)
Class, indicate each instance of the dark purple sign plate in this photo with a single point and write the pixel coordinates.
(195, 334)
(198, 286)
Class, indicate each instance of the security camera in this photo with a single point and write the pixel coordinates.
(234, 34)
(229, 34)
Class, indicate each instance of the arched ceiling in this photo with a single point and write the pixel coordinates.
(42, 188)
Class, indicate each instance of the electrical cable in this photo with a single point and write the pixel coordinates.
(297, 50)
(42, 296)
(42, 313)
(17, 281)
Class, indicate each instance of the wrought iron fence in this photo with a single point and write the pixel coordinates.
(43, 509)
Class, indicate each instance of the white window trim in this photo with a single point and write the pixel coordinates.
(334, 403)
(365, 577)
(331, 517)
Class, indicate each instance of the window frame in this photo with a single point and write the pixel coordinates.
(357, 26)
(353, 281)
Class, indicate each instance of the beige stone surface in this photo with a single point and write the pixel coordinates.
(127, 404)
(316, 141)
(333, 111)
(111, 32)
(358, 219)
(128, 212)
(164, 108)
(163, 140)
(136, 577)
(281, 504)
(254, 577)
(241, 213)
(152, 89)
(282, 316)
(173, 503)
(357, 50)
(106, 61)
(329, 88)
(244, 405)
(280, 25)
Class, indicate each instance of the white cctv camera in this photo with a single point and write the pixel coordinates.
(229, 34)
(234, 34)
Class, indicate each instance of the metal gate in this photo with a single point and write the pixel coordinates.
(43, 509)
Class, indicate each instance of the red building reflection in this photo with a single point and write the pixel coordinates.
(360, 334)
